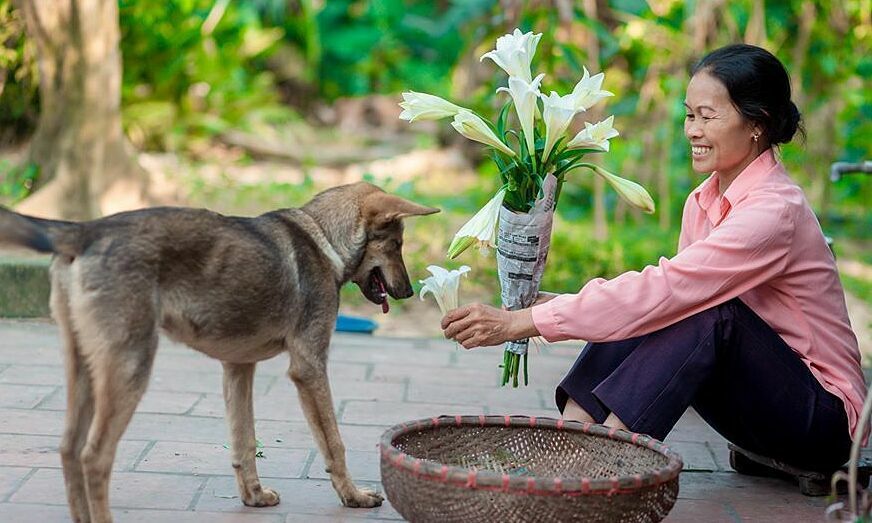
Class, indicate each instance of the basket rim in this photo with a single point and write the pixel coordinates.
(544, 485)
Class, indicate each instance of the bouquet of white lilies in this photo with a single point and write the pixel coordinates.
(533, 163)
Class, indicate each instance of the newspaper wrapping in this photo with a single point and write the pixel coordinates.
(522, 248)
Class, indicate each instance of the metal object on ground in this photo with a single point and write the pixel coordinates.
(810, 483)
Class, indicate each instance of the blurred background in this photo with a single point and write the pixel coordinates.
(247, 106)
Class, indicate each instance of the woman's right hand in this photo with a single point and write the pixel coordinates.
(543, 296)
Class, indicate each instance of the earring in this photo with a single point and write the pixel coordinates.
(755, 136)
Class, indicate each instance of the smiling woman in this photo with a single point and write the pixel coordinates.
(746, 323)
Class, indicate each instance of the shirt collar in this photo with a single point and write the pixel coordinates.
(708, 192)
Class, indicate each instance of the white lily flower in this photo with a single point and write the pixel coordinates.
(444, 286)
(514, 53)
(594, 136)
(524, 95)
(423, 106)
(558, 113)
(480, 230)
(630, 191)
(471, 126)
(588, 91)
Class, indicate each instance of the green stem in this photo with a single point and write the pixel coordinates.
(526, 381)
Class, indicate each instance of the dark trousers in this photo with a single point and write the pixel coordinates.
(738, 374)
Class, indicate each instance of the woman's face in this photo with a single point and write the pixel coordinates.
(721, 139)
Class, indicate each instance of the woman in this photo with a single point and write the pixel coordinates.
(747, 323)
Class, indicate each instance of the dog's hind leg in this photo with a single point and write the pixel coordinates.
(238, 387)
(309, 373)
(120, 351)
(80, 401)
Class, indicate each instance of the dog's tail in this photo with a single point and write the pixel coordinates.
(37, 234)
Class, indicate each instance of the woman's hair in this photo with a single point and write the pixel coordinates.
(759, 87)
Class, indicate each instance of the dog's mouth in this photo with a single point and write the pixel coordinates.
(375, 290)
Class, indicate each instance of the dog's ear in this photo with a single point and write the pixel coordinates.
(381, 207)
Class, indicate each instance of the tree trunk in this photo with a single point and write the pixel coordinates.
(87, 167)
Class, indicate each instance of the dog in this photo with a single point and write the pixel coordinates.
(237, 289)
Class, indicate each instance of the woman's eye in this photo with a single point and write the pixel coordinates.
(689, 116)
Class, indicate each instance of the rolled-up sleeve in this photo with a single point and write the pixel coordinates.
(747, 249)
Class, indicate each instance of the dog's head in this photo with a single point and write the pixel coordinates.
(382, 271)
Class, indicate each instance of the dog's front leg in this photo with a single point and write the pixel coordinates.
(238, 385)
(309, 374)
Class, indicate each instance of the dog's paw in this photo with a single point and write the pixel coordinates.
(363, 498)
(267, 497)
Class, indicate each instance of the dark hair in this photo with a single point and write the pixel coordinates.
(759, 87)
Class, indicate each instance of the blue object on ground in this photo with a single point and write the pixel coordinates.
(355, 324)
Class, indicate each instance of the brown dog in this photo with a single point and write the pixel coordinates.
(240, 290)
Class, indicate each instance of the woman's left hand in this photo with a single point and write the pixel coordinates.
(480, 325)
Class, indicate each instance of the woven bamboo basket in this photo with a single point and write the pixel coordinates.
(525, 469)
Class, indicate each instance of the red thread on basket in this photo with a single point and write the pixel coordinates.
(560, 424)
(531, 485)
(507, 420)
(616, 485)
(558, 484)
(457, 420)
(532, 421)
(470, 479)
(505, 482)
(481, 419)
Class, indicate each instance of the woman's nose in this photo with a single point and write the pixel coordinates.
(692, 130)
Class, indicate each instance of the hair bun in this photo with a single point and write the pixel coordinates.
(787, 124)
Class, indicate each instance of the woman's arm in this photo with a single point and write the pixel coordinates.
(749, 248)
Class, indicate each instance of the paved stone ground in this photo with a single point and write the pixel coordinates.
(172, 464)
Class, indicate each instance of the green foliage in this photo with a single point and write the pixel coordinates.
(18, 83)
(196, 68)
(16, 180)
(385, 46)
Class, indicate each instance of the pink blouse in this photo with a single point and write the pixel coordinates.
(760, 242)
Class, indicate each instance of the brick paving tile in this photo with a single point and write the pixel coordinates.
(179, 516)
(10, 479)
(696, 455)
(694, 511)
(438, 375)
(20, 421)
(298, 496)
(296, 434)
(493, 397)
(21, 396)
(363, 466)
(33, 374)
(27, 513)
(154, 401)
(391, 412)
(128, 489)
(42, 451)
(204, 458)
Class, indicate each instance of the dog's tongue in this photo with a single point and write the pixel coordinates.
(384, 294)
